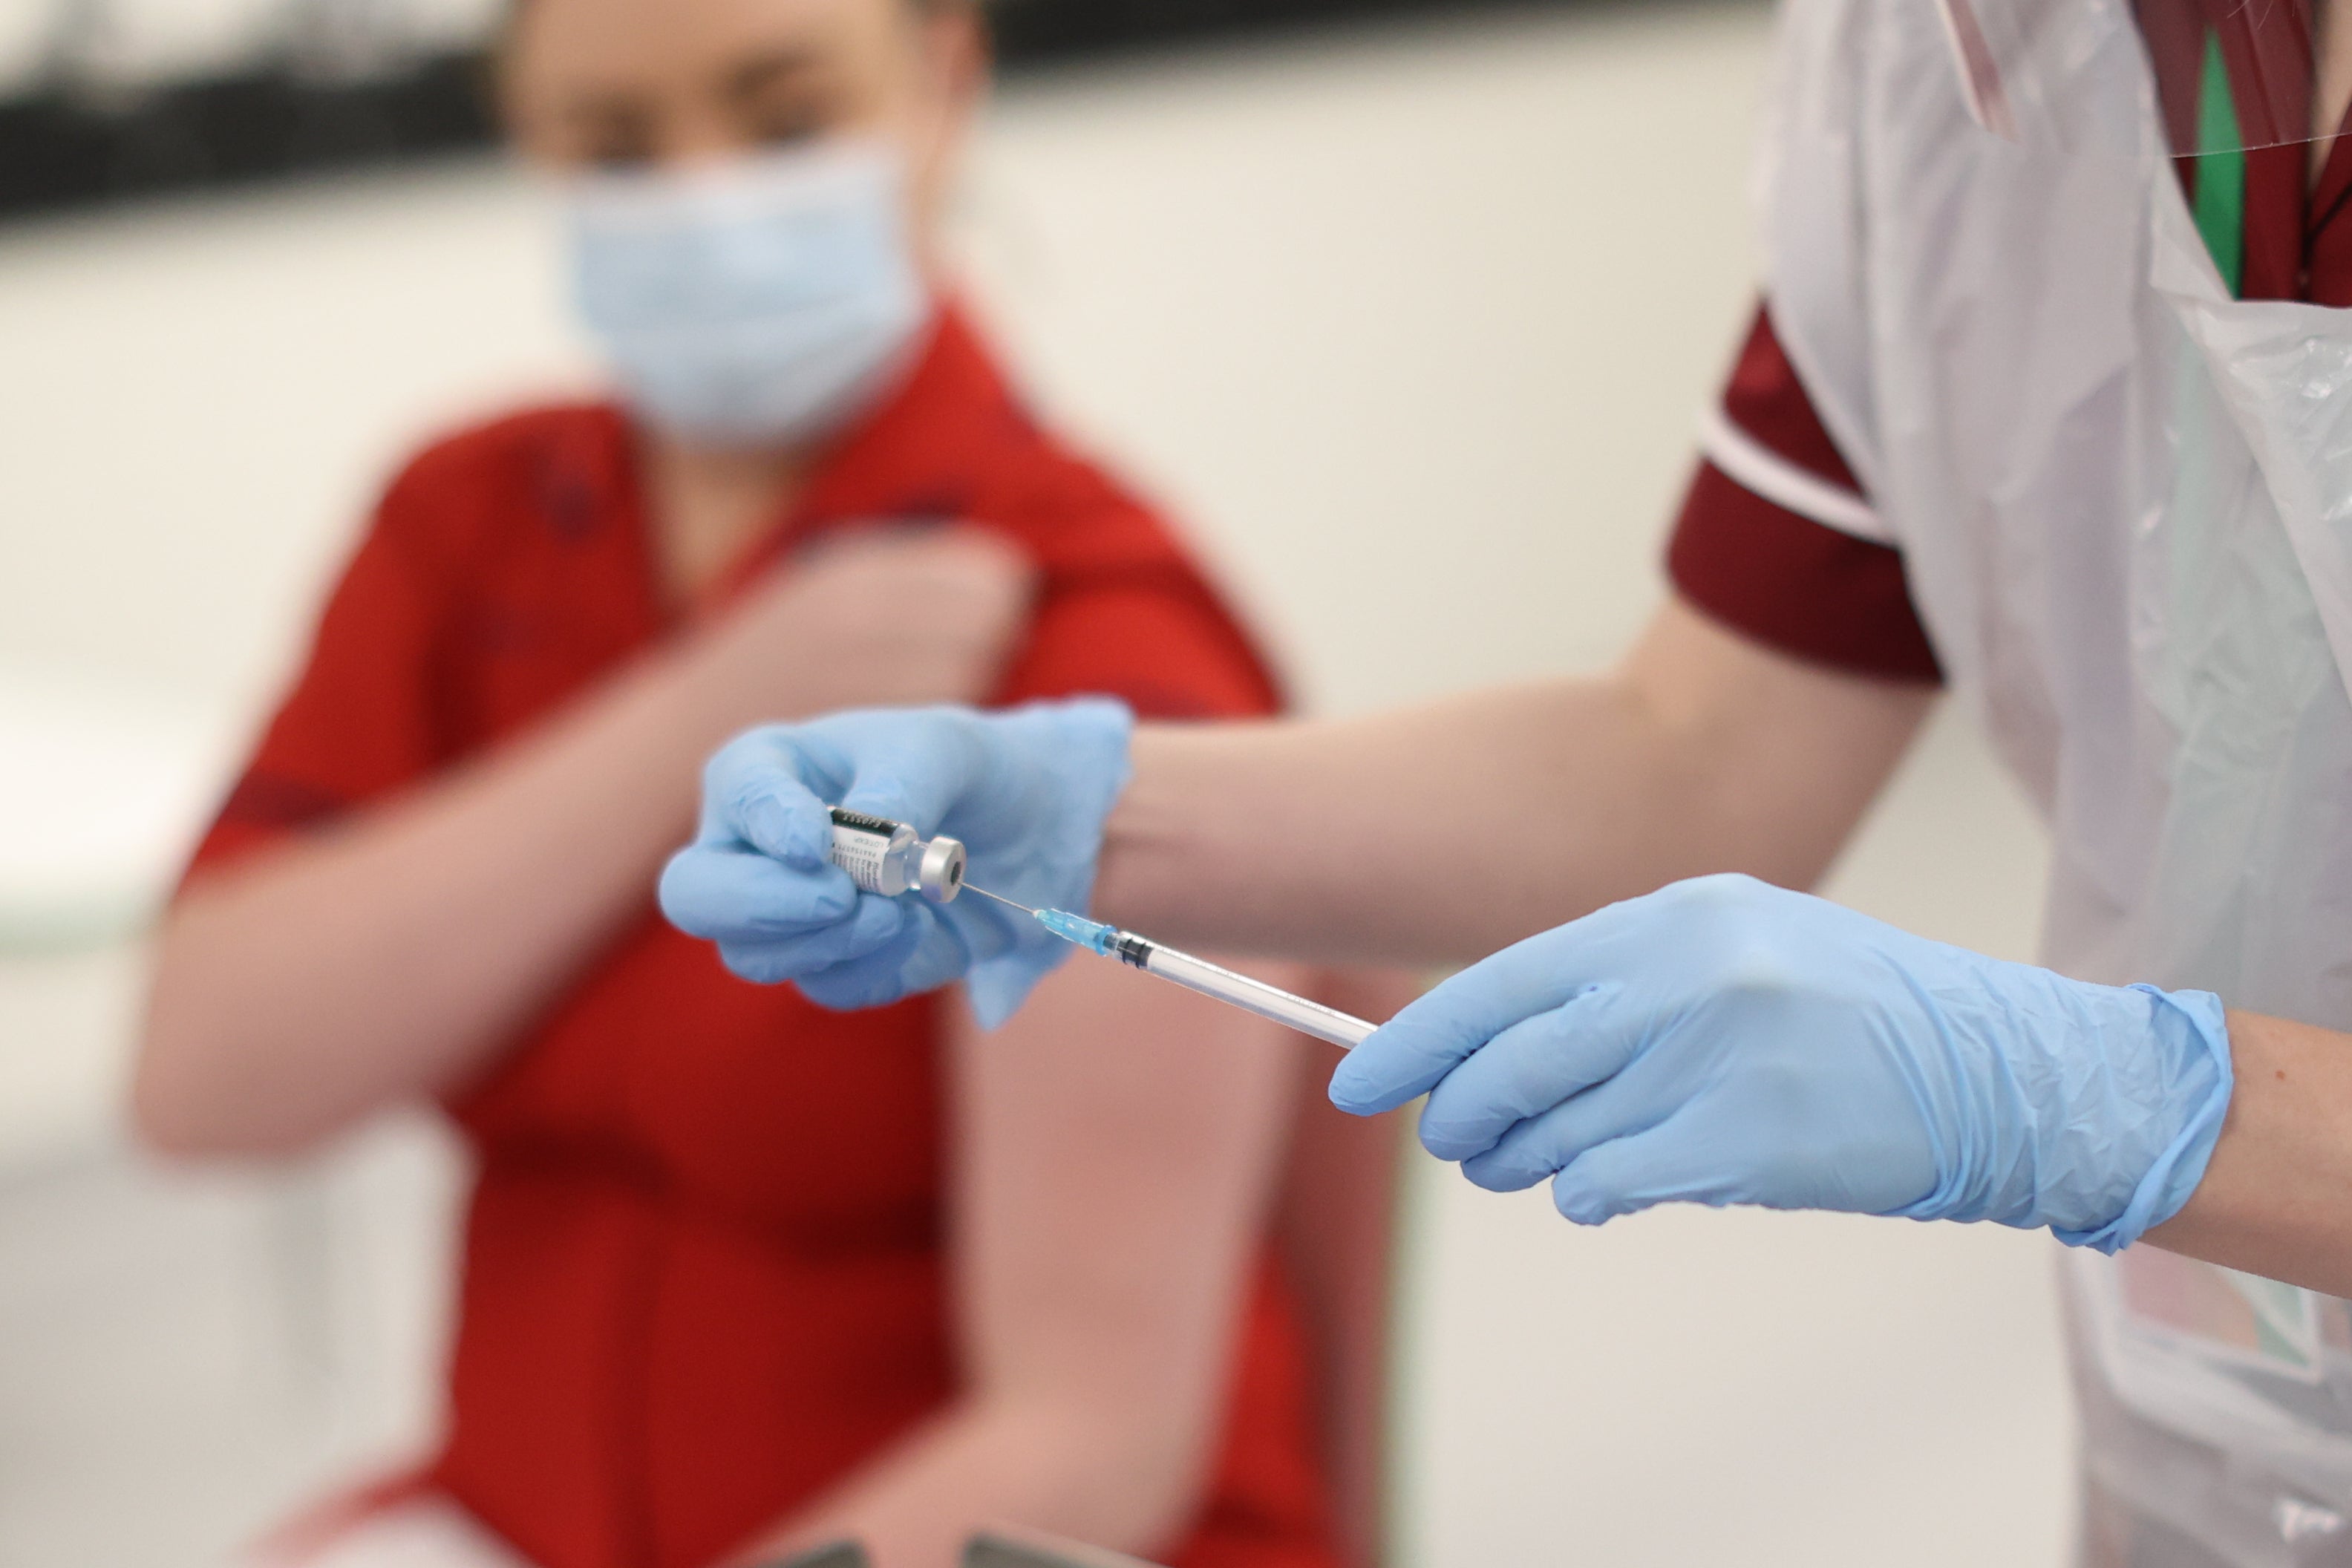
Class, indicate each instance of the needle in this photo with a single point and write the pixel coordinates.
(1008, 903)
(1196, 974)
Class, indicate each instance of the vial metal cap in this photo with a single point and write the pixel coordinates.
(939, 874)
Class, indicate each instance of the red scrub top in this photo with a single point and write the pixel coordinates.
(703, 1277)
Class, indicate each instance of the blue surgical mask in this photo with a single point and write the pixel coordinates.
(761, 301)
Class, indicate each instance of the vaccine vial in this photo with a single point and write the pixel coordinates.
(890, 858)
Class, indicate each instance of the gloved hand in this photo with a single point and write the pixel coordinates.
(1026, 790)
(1723, 1041)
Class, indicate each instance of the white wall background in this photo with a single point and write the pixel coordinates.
(1413, 325)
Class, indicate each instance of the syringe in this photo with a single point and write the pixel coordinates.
(885, 857)
(1343, 1030)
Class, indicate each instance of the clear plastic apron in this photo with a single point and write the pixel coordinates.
(2125, 501)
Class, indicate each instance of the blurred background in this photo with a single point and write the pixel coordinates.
(1409, 310)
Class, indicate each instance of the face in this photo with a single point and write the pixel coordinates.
(641, 83)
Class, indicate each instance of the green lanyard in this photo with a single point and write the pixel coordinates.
(2220, 173)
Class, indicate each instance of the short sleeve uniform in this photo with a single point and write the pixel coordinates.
(1776, 540)
(690, 1302)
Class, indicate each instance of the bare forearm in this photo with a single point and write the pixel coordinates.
(390, 956)
(1441, 834)
(2277, 1199)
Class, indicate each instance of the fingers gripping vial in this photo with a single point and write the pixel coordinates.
(890, 858)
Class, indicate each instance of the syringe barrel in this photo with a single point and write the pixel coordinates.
(1270, 1001)
(890, 858)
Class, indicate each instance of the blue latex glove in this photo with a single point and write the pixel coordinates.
(1027, 791)
(1724, 1041)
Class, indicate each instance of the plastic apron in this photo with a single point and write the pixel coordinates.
(2125, 501)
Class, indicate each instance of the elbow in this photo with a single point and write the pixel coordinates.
(165, 1110)
(181, 1121)
(185, 1105)
(158, 1132)
(218, 1073)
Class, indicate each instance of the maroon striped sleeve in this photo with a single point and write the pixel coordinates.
(1786, 580)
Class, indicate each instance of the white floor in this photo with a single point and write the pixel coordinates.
(1414, 325)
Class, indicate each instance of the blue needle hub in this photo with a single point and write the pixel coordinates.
(1093, 935)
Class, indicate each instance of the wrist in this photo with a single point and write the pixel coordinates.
(1157, 843)
(2185, 1045)
(2087, 1110)
(1065, 762)
(1086, 743)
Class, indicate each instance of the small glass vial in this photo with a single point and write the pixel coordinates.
(890, 858)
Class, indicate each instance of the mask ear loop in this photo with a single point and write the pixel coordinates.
(930, 146)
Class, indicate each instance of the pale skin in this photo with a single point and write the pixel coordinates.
(1106, 1205)
(1702, 753)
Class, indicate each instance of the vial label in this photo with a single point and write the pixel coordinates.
(862, 855)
